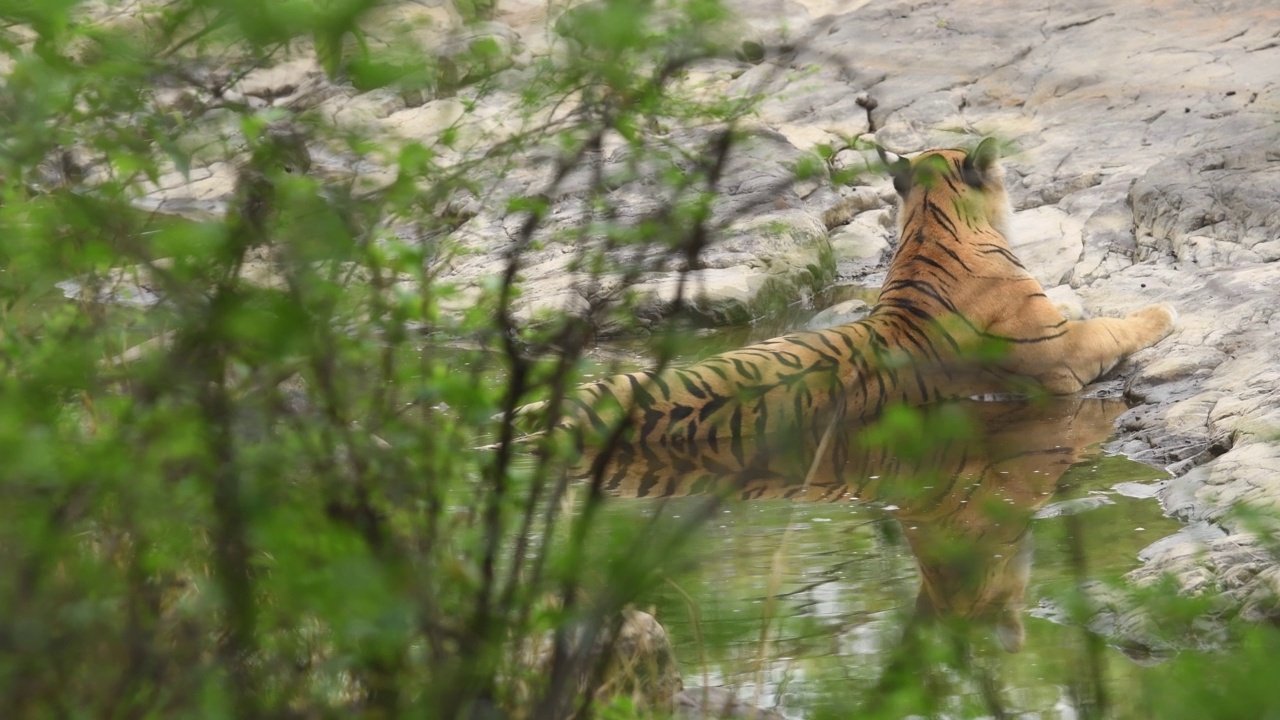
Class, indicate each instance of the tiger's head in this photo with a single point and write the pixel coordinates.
(965, 184)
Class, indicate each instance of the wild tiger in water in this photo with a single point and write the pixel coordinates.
(958, 315)
(964, 500)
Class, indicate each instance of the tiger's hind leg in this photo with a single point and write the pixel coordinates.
(1091, 348)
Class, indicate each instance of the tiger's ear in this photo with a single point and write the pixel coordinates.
(979, 163)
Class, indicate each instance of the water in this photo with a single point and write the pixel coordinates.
(816, 594)
(848, 573)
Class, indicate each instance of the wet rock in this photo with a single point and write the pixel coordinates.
(1248, 475)
(705, 703)
(1073, 507)
(639, 663)
(840, 314)
(863, 244)
(1237, 570)
(1139, 490)
(1187, 543)
(643, 666)
(474, 52)
(853, 203)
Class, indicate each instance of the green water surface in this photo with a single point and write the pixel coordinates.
(844, 582)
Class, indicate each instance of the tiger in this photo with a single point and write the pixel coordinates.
(964, 504)
(958, 315)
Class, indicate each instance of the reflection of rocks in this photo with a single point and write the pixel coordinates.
(840, 314)
(1121, 615)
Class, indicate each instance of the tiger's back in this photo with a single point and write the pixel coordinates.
(954, 289)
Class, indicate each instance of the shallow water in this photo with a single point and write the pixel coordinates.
(847, 573)
(805, 594)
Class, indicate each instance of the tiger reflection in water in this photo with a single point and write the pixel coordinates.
(965, 504)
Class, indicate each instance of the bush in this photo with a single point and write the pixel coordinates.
(241, 475)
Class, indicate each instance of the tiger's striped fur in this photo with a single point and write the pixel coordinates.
(953, 287)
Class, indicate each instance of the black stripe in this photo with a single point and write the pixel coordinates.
(997, 250)
(786, 358)
(816, 351)
(641, 396)
(662, 384)
(735, 433)
(803, 401)
(706, 386)
(1024, 341)
(651, 419)
(934, 263)
(689, 387)
(592, 416)
(708, 365)
(762, 417)
(942, 219)
(920, 384)
(753, 373)
(830, 346)
(848, 341)
(926, 289)
(715, 403)
(955, 257)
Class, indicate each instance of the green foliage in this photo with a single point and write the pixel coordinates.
(243, 467)
(907, 432)
(1241, 685)
(250, 489)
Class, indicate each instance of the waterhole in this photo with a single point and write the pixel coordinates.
(917, 555)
